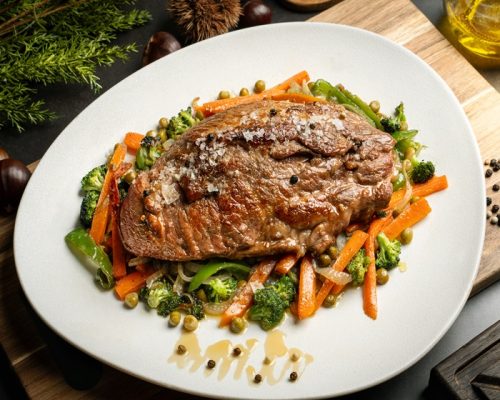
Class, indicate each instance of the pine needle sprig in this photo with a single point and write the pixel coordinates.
(52, 41)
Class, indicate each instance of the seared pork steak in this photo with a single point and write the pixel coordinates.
(259, 179)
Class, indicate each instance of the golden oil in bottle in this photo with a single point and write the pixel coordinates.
(476, 24)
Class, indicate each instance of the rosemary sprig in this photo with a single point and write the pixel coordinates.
(50, 41)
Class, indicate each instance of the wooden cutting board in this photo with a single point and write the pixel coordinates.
(398, 20)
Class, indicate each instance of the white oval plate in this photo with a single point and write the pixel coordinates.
(350, 351)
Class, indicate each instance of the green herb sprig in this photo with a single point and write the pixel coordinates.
(52, 41)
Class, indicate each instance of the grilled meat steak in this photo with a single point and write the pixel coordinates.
(259, 179)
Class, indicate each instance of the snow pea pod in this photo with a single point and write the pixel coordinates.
(207, 270)
(92, 255)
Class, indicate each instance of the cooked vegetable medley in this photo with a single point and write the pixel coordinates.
(258, 290)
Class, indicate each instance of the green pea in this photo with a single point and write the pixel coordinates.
(324, 260)
(190, 323)
(260, 86)
(382, 276)
(333, 252)
(129, 176)
(151, 133)
(174, 318)
(163, 123)
(163, 134)
(237, 325)
(330, 301)
(406, 236)
(375, 106)
(202, 295)
(244, 92)
(224, 94)
(131, 300)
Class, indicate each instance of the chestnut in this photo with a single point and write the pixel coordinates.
(3, 154)
(159, 45)
(255, 12)
(14, 176)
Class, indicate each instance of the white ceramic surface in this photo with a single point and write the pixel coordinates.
(350, 351)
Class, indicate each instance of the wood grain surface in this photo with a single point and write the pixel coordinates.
(398, 20)
(309, 5)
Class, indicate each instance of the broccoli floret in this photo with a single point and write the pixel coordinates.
(181, 123)
(218, 290)
(393, 124)
(357, 267)
(268, 309)
(150, 150)
(286, 289)
(94, 179)
(87, 209)
(388, 252)
(168, 304)
(422, 171)
(271, 302)
(196, 309)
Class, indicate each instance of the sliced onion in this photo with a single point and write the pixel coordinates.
(408, 192)
(192, 267)
(178, 285)
(180, 272)
(338, 277)
(133, 262)
(155, 276)
(216, 308)
(341, 241)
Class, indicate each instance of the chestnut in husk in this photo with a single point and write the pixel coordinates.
(159, 45)
(3, 154)
(255, 12)
(14, 176)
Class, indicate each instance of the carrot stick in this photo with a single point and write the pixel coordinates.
(118, 251)
(297, 78)
(286, 264)
(350, 249)
(297, 98)
(101, 215)
(244, 299)
(409, 217)
(306, 301)
(133, 141)
(370, 284)
(213, 107)
(433, 185)
(132, 282)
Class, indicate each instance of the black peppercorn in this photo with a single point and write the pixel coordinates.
(210, 137)
(496, 187)
(181, 349)
(488, 201)
(145, 193)
(293, 376)
(488, 173)
(496, 167)
(495, 208)
(272, 112)
(493, 162)
(257, 378)
(294, 179)
(211, 364)
(312, 126)
(236, 351)
(498, 222)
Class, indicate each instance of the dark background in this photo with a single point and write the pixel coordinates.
(68, 100)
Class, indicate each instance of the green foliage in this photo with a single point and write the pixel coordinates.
(49, 41)
(357, 267)
(181, 123)
(219, 290)
(388, 252)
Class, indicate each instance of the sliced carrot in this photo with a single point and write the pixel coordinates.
(101, 215)
(133, 141)
(297, 78)
(293, 307)
(375, 226)
(132, 282)
(306, 301)
(118, 251)
(286, 263)
(350, 249)
(297, 98)
(213, 107)
(409, 217)
(433, 185)
(244, 299)
(370, 283)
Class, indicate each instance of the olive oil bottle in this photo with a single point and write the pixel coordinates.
(476, 24)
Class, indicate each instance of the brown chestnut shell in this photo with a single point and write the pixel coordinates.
(14, 176)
